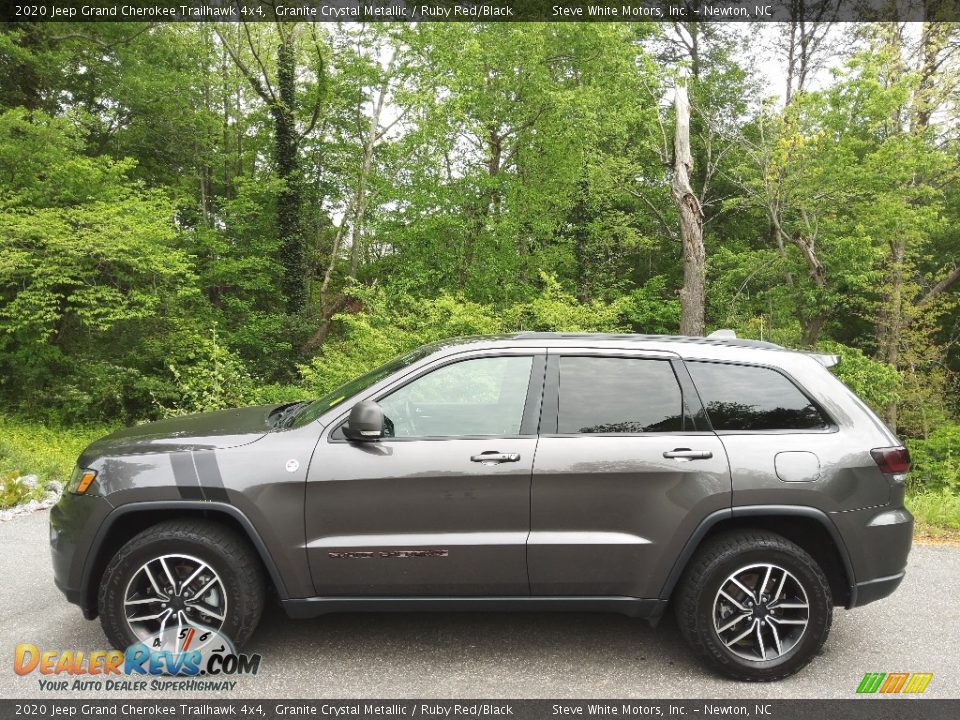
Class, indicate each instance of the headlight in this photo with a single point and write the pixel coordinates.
(80, 480)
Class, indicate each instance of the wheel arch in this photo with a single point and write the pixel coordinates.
(126, 521)
(807, 527)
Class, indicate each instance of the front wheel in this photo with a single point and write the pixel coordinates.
(181, 574)
(754, 605)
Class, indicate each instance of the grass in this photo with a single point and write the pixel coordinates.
(31, 448)
(936, 514)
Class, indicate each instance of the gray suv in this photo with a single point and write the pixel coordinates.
(734, 480)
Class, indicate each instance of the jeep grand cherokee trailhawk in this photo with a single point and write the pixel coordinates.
(734, 480)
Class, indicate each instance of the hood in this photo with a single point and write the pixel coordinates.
(211, 430)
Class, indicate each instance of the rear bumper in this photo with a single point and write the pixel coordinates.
(878, 541)
(877, 589)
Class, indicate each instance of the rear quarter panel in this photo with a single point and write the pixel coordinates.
(845, 477)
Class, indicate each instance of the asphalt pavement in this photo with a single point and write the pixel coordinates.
(499, 655)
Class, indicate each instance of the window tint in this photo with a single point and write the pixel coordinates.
(618, 395)
(483, 396)
(739, 397)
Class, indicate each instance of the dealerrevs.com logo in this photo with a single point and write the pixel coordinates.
(175, 659)
(899, 683)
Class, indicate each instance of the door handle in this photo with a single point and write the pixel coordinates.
(495, 458)
(688, 454)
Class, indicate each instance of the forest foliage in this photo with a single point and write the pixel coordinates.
(195, 216)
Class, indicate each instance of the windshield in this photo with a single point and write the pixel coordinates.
(333, 398)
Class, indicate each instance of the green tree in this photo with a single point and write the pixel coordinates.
(86, 254)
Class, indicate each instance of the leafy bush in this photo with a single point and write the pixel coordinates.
(936, 461)
(388, 325)
(394, 322)
(276, 393)
(12, 491)
(652, 308)
(208, 377)
(557, 310)
(876, 383)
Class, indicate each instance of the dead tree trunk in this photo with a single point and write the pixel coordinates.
(693, 293)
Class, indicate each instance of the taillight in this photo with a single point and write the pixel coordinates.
(892, 460)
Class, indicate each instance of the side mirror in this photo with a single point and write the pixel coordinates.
(365, 422)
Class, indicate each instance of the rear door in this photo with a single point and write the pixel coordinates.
(625, 470)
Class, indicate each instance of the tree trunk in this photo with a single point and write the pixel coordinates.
(225, 125)
(289, 200)
(354, 215)
(811, 327)
(693, 294)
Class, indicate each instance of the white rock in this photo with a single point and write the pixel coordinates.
(28, 481)
(54, 491)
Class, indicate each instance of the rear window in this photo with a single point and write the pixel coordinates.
(744, 397)
(618, 395)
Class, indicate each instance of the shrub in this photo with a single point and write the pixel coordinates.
(208, 377)
(876, 383)
(275, 394)
(12, 491)
(393, 322)
(556, 310)
(936, 461)
(390, 324)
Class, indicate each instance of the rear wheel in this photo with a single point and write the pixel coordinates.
(754, 605)
(182, 574)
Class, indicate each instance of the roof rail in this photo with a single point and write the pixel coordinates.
(712, 339)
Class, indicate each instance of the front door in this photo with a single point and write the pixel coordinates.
(622, 477)
(442, 506)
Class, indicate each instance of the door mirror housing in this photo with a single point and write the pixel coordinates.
(366, 422)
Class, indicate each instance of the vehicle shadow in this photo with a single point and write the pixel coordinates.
(586, 654)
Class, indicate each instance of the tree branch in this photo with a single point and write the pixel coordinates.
(247, 73)
(321, 71)
(656, 211)
(941, 286)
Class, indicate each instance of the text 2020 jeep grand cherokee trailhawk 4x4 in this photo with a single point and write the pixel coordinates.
(736, 480)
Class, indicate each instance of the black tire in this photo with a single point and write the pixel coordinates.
(225, 551)
(708, 573)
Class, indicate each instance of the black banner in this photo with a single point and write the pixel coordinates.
(483, 10)
(193, 709)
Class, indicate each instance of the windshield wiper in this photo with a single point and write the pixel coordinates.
(284, 414)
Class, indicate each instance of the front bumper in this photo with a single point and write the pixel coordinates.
(74, 522)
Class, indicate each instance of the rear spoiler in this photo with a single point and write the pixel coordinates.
(825, 359)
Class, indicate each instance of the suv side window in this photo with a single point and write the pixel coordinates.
(618, 395)
(746, 397)
(480, 396)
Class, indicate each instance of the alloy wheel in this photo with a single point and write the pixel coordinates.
(174, 591)
(760, 612)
